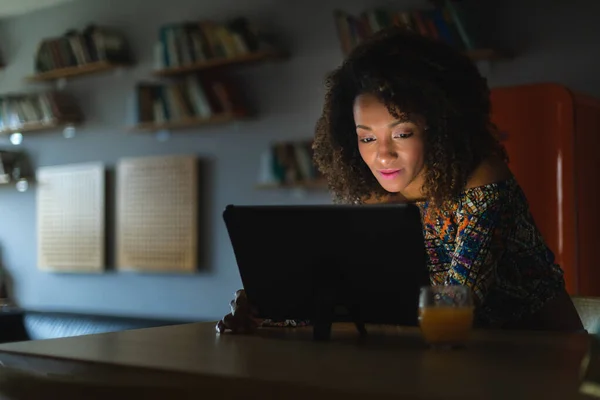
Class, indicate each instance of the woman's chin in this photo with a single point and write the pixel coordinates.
(392, 187)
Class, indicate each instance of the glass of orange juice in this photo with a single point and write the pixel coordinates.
(446, 315)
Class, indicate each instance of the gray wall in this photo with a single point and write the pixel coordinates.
(550, 45)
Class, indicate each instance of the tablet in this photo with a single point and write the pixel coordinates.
(333, 262)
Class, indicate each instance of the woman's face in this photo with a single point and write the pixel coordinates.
(392, 148)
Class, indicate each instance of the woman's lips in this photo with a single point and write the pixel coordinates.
(389, 173)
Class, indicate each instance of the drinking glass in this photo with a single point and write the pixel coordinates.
(446, 315)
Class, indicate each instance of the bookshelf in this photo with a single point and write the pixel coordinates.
(75, 71)
(32, 127)
(248, 58)
(200, 93)
(189, 47)
(94, 50)
(193, 101)
(447, 21)
(37, 112)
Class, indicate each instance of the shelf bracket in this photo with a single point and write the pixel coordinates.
(22, 185)
(69, 131)
(61, 83)
(16, 138)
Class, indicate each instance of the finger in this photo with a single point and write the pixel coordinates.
(220, 327)
(231, 323)
(241, 297)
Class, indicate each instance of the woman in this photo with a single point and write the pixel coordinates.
(407, 119)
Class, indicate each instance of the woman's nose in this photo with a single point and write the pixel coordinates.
(386, 153)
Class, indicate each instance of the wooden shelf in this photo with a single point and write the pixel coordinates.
(221, 62)
(70, 72)
(307, 185)
(484, 54)
(184, 124)
(38, 127)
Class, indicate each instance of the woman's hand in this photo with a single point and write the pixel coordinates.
(241, 319)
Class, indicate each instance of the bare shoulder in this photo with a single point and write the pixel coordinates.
(491, 170)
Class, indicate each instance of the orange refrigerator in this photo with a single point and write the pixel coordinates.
(552, 136)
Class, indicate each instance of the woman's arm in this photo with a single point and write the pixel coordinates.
(479, 245)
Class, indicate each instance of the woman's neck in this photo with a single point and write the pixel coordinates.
(414, 190)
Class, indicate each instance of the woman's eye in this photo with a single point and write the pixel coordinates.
(366, 140)
(403, 135)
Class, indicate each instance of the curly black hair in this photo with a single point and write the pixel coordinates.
(416, 76)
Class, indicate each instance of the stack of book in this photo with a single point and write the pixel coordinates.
(76, 49)
(37, 109)
(447, 22)
(289, 164)
(190, 43)
(191, 98)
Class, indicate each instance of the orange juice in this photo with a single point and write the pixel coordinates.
(446, 325)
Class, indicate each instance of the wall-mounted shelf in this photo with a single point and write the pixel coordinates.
(185, 50)
(445, 22)
(485, 55)
(75, 71)
(183, 124)
(250, 58)
(188, 103)
(37, 112)
(30, 127)
(94, 50)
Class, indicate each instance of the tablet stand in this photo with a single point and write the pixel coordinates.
(325, 305)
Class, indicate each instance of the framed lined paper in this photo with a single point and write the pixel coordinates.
(70, 202)
(157, 214)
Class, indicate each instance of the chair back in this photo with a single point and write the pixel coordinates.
(588, 309)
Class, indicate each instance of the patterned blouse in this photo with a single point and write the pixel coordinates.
(489, 241)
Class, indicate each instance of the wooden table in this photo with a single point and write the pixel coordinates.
(286, 363)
